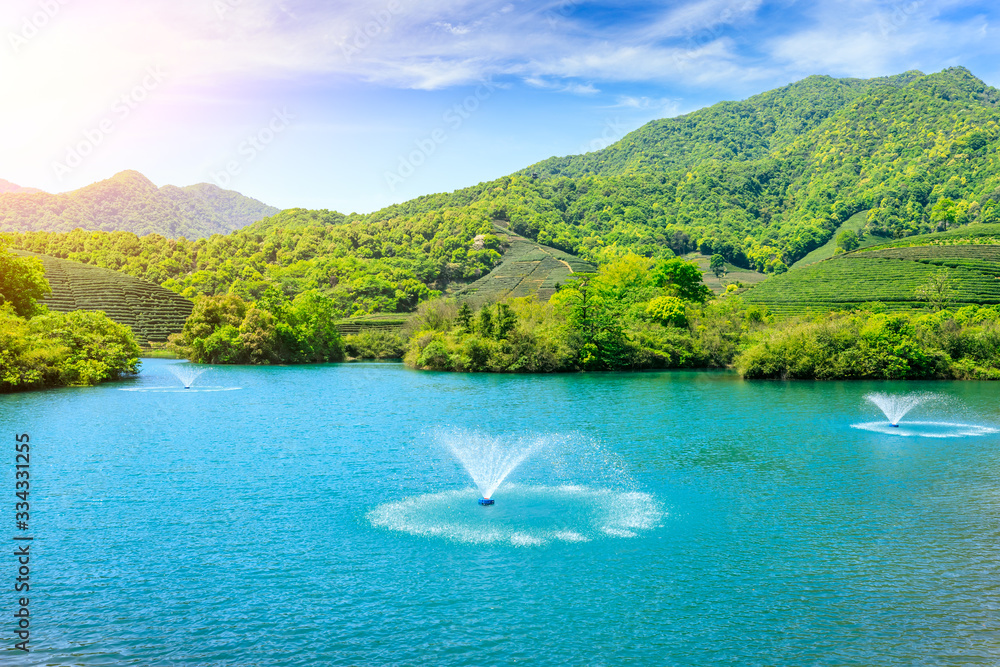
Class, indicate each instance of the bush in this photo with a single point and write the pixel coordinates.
(854, 345)
(374, 344)
(435, 357)
(58, 349)
(228, 330)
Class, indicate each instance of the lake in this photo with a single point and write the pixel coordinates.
(316, 515)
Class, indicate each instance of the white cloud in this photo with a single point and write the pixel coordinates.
(702, 19)
(90, 51)
(865, 38)
(561, 86)
(435, 43)
(663, 107)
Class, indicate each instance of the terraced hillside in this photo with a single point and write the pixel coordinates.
(152, 312)
(527, 269)
(354, 325)
(892, 273)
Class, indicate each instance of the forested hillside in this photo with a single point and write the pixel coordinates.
(760, 182)
(764, 181)
(130, 202)
(365, 266)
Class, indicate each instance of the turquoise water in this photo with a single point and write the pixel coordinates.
(313, 515)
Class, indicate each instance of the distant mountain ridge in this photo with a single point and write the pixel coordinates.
(7, 186)
(727, 131)
(130, 202)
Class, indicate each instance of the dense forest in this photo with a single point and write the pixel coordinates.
(7, 186)
(364, 266)
(637, 313)
(130, 202)
(634, 313)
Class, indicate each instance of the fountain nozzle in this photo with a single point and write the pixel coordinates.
(486, 501)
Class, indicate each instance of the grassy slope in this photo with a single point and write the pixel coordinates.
(827, 250)
(152, 312)
(890, 273)
(527, 269)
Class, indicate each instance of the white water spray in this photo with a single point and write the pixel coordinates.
(895, 406)
(488, 459)
(186, 374)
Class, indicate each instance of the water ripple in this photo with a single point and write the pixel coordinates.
(524, 516)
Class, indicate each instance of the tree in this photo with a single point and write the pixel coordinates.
(718, 265)
(668, 311)
(311, 323)
(602, 340)
(53, 349)
(211, 314)
(486, 322)
(848, 240)
(683, 278)
(258, 339)
(938, 291)
(947, 213)
(505, 322)
(100, 348)
(465, 317)
(22, 282)
(626, 279)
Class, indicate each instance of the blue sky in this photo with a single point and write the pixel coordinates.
(354, 105)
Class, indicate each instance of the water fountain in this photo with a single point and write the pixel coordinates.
(186, 373)
(578, 492)
(488, 459)
(895, 407)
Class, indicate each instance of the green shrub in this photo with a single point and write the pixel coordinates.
(227, 330)
(57, 349)
(374, 344)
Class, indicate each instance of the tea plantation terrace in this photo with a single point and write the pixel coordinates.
(892, 273)
(527, 269)
(151, 311)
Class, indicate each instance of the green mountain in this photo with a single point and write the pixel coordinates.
(728, 131)
(130, 202)
(763, 182)
(767, 180)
